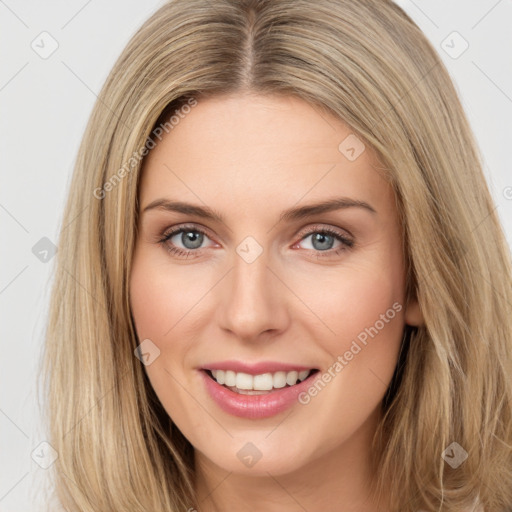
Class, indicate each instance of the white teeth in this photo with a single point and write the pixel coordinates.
(261, 382)
(303, 375)
(291, 378)
(244, 381)
(229, 378)
(280, 379)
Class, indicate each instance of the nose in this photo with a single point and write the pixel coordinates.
(253, 303)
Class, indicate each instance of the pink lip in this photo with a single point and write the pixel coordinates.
(255, 368)
(255, 406)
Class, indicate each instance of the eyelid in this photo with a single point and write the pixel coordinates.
(347, 242)
(170, 232)
(325, 227)
(181, 253)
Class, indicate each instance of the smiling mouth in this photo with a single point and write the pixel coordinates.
(262, 384)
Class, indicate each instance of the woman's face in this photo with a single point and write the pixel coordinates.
(263, 294)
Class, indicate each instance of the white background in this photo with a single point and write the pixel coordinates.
(45, 104)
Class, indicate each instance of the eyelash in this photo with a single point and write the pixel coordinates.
(347, 243)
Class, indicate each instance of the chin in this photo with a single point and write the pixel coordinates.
(262, 451)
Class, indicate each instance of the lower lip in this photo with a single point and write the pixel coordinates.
(255, 406)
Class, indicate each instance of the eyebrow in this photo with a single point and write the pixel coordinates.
(292, 214)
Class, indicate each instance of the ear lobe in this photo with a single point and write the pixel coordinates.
(413, 315)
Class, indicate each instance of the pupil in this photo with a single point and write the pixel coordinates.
(320, 237)
(194, 238)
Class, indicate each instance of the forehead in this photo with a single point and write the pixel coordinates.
(264, 151)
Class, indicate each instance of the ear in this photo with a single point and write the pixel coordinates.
(413, 315)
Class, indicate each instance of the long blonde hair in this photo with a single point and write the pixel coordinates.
(366, 62)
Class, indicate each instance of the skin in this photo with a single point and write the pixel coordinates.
(250, 157)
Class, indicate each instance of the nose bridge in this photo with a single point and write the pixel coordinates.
(252, 302)
(250, 276)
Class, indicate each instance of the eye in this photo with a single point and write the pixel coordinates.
(191, 239)
(187, 241)
(323, 241)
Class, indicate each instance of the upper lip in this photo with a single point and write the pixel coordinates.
(255, 368)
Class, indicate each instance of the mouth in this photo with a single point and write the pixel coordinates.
(260, 384)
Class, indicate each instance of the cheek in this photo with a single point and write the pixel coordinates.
(363, 352)
(152, 301)
(162, 297)
(160, 301)
(157, 304)
(368, 303)
(169, 305)
(350, 301)
(362, 320)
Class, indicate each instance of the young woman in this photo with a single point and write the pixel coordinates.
(282, 284)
